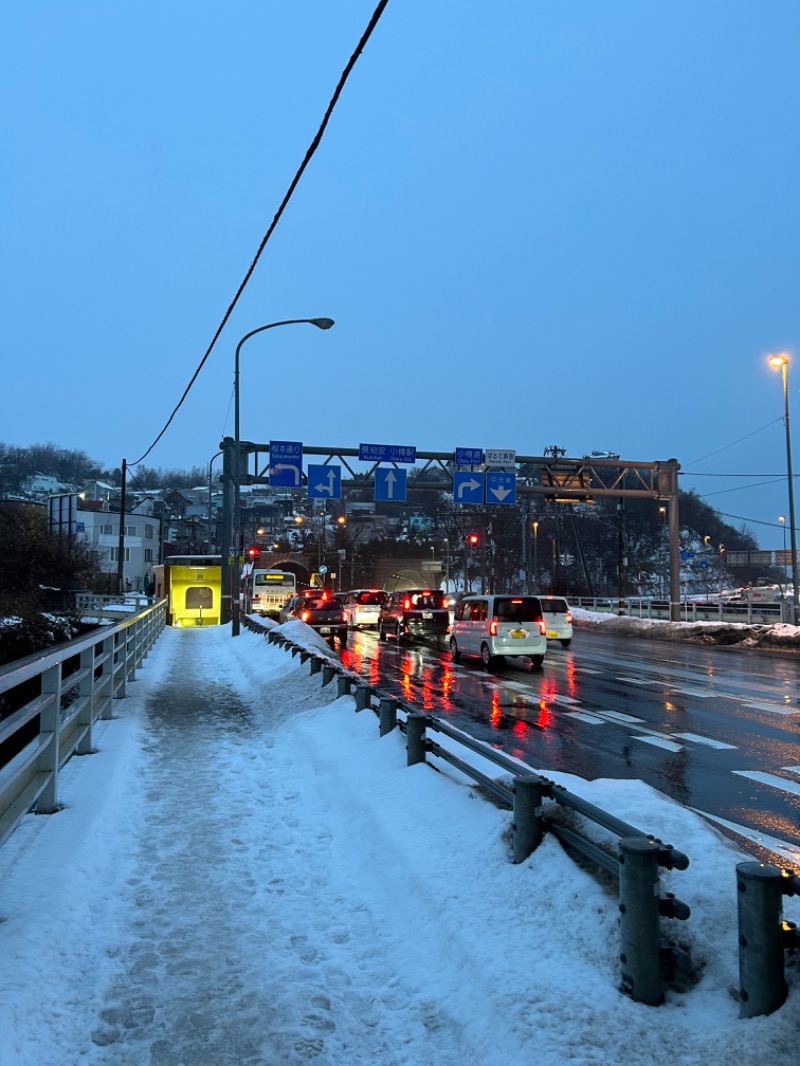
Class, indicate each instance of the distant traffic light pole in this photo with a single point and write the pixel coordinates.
(236, 547)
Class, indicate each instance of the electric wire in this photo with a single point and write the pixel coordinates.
(315, 143)
(733, 443)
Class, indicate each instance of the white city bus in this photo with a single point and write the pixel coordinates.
(269, 590)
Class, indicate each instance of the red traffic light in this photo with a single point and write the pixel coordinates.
(252, 553)
(472, 538)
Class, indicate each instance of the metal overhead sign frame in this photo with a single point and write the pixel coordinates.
(567, 480)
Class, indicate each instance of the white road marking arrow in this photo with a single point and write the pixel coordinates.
(472, 484)
(287, 466)
(322, 487)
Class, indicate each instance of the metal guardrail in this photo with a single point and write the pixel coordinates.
(648, 961)
(74, 685)
(693, 611)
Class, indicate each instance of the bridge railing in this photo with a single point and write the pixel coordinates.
(690, 611)
(50, 701)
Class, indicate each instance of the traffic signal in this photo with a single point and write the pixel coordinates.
(472, 538)
(252, 554)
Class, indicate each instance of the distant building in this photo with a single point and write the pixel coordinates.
(142, 542)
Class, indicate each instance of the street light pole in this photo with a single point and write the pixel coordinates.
(320, 323)
(781, 361)
(535, 557)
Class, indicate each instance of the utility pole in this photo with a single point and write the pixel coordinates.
(121, 543)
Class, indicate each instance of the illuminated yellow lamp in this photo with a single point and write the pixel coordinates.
(778, 360)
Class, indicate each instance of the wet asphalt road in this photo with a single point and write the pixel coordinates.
(715, 728)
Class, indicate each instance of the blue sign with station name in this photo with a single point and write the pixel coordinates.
(469, 456)
(285, 463)
(501, 487)
(468, 486)
(387, 453)
(390, 484)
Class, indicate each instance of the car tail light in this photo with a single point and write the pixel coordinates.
(406, 605)
(493, 627)
(304, 616)
(568, 616)
(542, 626)
(345, 616)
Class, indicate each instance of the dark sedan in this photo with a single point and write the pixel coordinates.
(320, 612)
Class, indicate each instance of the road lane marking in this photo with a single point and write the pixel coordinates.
(659, 742)
(718, 744)
(584, 716)
(618, 716)
(694, 692)
(785, 709)
(783, 784)
(779, 847)
(638, 680)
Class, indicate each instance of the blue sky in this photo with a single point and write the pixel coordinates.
(569, 224)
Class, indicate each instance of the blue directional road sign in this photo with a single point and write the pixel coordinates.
(686, 555)
(501, 487)
(469, 456)
(324, 482)
(285, 463)
(387, 453)
(468, 487)
(390, 484)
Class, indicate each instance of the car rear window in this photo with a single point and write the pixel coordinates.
(371, 599)
(433, 599)
(517, 609)
(555, 606)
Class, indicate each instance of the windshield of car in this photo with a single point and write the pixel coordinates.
(517, 609)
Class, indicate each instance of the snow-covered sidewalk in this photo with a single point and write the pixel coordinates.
(245, 873)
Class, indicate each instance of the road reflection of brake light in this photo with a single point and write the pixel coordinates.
(493, 627)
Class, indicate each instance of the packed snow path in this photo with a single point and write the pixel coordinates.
(218, 966)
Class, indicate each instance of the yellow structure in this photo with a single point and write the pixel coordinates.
(192, 585)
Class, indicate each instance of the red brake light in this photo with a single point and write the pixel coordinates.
(304, 616)
(406, 605)
(493, 627)
(426, 592)
(345, 616)
(569, 616)
(542, 627)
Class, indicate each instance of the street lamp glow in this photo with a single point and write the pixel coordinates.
(779, 360)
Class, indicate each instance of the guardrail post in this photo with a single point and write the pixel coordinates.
(761, 978)
(388, 714)
(86, 692)
(639, 910)
(528, 822)
(342, 685)
(363, 696)
(415, 738)
(50, 723)
(316, 664)
(295, 649)
(327, 674)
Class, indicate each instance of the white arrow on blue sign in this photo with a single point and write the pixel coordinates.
(324, 482)
(285, 463)
(501, 487)
(468, 487)
(390, 484)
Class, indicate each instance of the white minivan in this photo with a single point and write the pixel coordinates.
(557, 619)
(491, 627)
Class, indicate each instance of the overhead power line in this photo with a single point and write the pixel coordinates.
(315, 143)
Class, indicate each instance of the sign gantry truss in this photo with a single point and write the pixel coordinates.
(554, 478)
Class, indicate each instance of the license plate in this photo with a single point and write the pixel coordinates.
(324, 629)
(427, 614)
(552, 633)
(518, 633)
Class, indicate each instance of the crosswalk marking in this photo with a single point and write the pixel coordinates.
(584, 716)
(781, 783)
(718, 744)
(783, 709)
(618, 716)
(658, 742)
